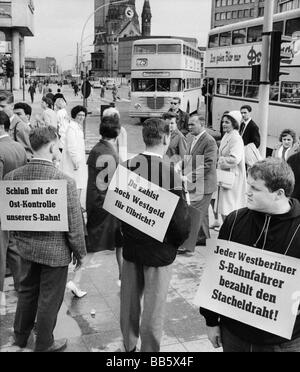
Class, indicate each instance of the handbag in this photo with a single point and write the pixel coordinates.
(252, 155)
(225, 179)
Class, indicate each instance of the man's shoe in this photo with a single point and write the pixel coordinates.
(56, 347)
(75, 290)
(182, 251)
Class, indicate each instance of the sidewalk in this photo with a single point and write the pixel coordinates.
(184, 329)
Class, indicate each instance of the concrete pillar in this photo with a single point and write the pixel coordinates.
(22, 52)
(16, 59)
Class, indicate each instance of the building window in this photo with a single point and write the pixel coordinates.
(223, 16)
(247, 13)
(261, 11)
(241, 14)
(234, 14)
(218, 3)
(274, 92)
(228, 15)
(218, 16)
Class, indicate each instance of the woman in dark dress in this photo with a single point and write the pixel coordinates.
(104, 231)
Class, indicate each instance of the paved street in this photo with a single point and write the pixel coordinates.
(184, 329)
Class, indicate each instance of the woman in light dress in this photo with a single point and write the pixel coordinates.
(63, 120)
(232, 159)
(73, 161)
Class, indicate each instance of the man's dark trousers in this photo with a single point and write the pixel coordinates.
(41, 295)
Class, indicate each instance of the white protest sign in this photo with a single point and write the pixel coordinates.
(252, 286)
(140, 203)
(34, 205)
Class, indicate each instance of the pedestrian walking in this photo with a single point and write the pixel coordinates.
(147, 263)
(114, 93)
(45, 256)
(32, 92)
(182, 117)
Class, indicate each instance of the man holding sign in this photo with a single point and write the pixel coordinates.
(45, 254)
(271, 223)
(147, 266)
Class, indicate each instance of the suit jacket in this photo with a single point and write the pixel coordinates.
(251, 134)
(51, 248)
(200, 167)
(12, 156)
(19, 132)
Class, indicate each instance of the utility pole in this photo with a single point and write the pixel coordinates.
(264, 90)
(77, 60)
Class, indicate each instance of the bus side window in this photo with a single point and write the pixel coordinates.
(254, 34)
(292, 25)
(236, 88)
(290, 92)
(213, 41)
(222, 87)
(239, 36)
(251, 89)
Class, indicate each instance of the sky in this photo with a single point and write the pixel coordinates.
(58, 25)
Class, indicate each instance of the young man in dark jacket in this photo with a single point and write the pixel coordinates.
(271, 223)
(147, 266)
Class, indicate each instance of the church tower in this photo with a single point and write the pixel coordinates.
(146, 19)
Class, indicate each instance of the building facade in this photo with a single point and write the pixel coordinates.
(16, 23)
(225, 12)
(111, 25)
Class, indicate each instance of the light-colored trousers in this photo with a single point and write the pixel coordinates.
(152, 283)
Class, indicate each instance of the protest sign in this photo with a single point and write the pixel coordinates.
(34, 205)
(140, 203)
(252, 286)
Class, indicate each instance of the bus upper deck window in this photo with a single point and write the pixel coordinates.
(239, 36)
(290, 92)
(145, 49)
(213, 41)
(169, 48)
(225, 38)
(292, 25)
(254, 34)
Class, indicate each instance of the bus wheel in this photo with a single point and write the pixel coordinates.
(188, 108)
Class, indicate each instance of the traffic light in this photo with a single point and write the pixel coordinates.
(21, 72)
(81, 75)
(275, 57)
(9, 68)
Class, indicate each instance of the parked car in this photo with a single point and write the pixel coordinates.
(110, 83)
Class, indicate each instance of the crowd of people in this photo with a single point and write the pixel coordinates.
(182, 157)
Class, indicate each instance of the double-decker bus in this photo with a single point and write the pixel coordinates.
(233, 50)
(163, 69)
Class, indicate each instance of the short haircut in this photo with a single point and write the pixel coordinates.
(276, 174)
(178, 99)
(4, 120)
(76, 110)
(23, 106)
(153, 131)
(200, 117)
(48, 101)
(6, 96)
(288, 132)
(112, 111)
(40, 137)
(246, 107)
(169, 116)
(234, 123)
(58, 90)
(110, 127)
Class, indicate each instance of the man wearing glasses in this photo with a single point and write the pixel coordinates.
(182, 117)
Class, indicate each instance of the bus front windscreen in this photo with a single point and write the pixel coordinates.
(169, 85)
(143, 85)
